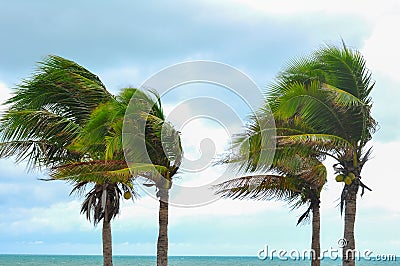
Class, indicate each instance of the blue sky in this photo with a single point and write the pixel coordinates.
(125, 42)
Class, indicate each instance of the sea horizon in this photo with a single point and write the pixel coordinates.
(176, 260)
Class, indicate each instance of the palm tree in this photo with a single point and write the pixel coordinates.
(47, 115)
(330, 91)
(295, 178)
(293, 188)
(154, 141)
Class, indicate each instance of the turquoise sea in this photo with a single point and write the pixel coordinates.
(45, 260)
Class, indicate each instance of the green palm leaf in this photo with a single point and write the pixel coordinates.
(346, 69)
(50, 108)
(325, 143)
(262, 187)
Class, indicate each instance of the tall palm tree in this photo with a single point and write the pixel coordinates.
(330, 91)
(297, 178)
(145, 120)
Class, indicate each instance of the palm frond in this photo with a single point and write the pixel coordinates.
(346, 69)
(305, 217)
(50, 107)
(61, 86)
(343, 98)
(100, 200)
(312, 105)
(262, 187)
(321, 142)
(98, 172)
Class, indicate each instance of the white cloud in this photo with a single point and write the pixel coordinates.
(203, 140)
(227, 208)
(59, 217)
(144, 211)
(381, 48)
(380, 173)
(20, 188)
(196, 133)
(5, 94)
(293, 7)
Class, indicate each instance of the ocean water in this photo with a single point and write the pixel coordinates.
(63, 260)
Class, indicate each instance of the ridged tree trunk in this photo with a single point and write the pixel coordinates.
(315, 242)
(107, 243)
(349, 220)
(162, 243)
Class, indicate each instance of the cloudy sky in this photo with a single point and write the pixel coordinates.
(126, 42)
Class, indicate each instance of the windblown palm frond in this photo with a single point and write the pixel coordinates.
(346, 69)
(261, 187)
(311, 104)
(62, 87)
(295, 174)
(331, 145)
(49, 108)
(342, 98)
(99, 171)
(298, 188)
(101, 143)
(103, 200)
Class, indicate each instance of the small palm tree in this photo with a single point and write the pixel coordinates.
(102, 166)
(330, 91)
(295, 178)
(46, 115)
(102, 202)
(290, 187)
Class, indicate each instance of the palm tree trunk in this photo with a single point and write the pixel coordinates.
(349, 220)
(107, 243)
(315, 242)
(162, 244)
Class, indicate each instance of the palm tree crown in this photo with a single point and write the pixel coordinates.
(46, 112)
